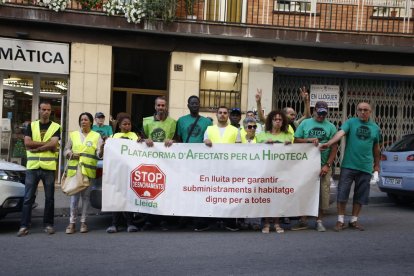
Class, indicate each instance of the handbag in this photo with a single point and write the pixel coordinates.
(74, 184)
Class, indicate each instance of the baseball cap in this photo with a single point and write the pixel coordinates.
(321, 106)
(99, 115)
(235, 110)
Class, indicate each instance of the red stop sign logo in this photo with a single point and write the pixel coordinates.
(147, 181)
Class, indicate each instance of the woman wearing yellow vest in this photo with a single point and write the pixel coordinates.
(124, 121)
(276, 131)
(84, 146)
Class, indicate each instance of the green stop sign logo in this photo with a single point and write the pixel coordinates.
(147, 181)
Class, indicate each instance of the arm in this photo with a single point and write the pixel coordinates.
(314, 141)
(259, 105)
(305, 98)
(334, 140)
(33, 146)
(377, 157)
(326, 167)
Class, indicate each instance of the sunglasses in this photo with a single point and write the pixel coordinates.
(322, 114)
(251, 126)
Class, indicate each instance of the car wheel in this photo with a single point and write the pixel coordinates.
(401, 200)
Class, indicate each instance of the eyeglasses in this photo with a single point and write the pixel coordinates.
(363, 110)
(252, 126)
(322, 114)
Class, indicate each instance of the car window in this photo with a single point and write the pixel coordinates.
(405, 144)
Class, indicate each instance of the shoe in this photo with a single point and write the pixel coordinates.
(279, 229)
(301, 225)
(319, 227)
(232, 228)
(356, 226)
(202, 228)
(23, 231)
(84, 228)
(132, 228)
(111, 229)
(266, 229)
(71, 228)
(49, 230)
(339, 226)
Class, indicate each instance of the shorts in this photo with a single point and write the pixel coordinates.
(325, 189)
(361, 189)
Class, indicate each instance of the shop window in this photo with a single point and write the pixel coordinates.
(220, 85)
(292, 6)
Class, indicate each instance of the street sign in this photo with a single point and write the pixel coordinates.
(147, 181)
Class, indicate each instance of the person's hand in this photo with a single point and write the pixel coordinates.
(288, 142)
(208, 143)
(314, 141)
(149, 142)
(34, 150)
(324, 170)
(75, 156)
(270, 141)
(304, 93)
(323, 147)
(168, 142)
(258, 95)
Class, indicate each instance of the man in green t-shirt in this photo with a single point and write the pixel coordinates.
(361, 157)
(104, 130)
(191, 127)
(159, 127)
(319, 130)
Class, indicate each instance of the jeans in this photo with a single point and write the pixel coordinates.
(32, 181)
(361, 188)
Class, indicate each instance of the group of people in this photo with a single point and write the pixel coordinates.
(86, 145)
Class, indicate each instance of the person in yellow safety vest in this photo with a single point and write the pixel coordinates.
(84, 147)
(41, 141)
(124, 121)
(248, 132)
(222, 133)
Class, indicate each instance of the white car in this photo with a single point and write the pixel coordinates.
(12, 177)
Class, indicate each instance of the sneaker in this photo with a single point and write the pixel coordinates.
(71, 228)
(266, 229)
(84, 228)
(320, 227)
(23, 231)
(279, 229)
(301, 225)
(202, 228)
(111, 229)
(132, 228)
(232, 228)
(49, 230)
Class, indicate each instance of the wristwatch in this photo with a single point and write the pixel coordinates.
(329, 165)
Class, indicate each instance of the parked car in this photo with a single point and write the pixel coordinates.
(96, 189)
(12, 177)
(397, 170)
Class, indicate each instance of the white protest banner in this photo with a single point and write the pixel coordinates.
(237, 180)
(326, 93)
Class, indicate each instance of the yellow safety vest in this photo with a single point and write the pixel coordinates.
(87, 151)
(243, 134)
(46, 160)
(229, 135)
(130, 135)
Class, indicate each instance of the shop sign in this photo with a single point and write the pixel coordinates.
(326, 93)
(34, 56)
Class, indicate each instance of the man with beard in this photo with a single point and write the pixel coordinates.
(319, 130)
(361, 158)
(190, 129)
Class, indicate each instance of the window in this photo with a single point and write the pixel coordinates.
(220, 84)
(390, 8)
(292, 6)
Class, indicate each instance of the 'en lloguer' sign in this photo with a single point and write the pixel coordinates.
(34, 56)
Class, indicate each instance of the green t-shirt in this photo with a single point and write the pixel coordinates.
(104, 130)
(360, 140)
(159, 131)
(324, 131)
(184, 125)
(282, 137)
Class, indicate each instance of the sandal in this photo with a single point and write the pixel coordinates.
(279, 229)
(339, 226)
(356, 226)
(266, 229)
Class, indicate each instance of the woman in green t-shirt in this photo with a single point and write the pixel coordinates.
(276, 131)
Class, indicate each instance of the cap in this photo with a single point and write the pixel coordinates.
(321, 106)
(235, 110)
(99, 115)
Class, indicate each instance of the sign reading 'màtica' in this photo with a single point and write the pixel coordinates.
(34, 56)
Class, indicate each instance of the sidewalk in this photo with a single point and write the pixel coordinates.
(62, 201)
